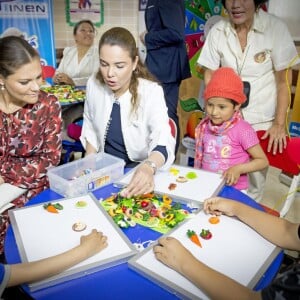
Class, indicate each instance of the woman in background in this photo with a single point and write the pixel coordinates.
(79, 61)
(125, 113)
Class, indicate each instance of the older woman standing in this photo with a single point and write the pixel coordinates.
(125, 112)
(79, 61)
(259, 47)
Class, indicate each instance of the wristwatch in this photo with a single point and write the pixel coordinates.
(151, 164)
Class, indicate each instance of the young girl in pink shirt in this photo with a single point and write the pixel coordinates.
(225, 143)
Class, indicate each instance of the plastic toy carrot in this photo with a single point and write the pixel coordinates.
(193, 237)
(51, 208)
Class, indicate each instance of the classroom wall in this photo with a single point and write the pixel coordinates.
(288, 11)
(120, 13)
(116, 13)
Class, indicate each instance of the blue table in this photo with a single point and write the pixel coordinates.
(119, 281)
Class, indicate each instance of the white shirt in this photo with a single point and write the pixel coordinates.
(82, 71)
(269, 48)
(142, 131)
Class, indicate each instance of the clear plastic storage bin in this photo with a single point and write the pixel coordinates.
(86, 174)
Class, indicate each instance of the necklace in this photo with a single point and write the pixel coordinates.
(241, 66)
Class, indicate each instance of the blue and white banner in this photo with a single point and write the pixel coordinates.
(32, 19)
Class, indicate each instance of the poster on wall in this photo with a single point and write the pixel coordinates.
(77, 10)
(33, 20)
(201, 15)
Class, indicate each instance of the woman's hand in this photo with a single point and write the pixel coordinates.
(62, 78)
(142, 182)
(1, 180)
(277, 138)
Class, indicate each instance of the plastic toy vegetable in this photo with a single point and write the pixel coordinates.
(214, 220)
(53, 208)
(206, 234)
(193, 237)
(50, 208)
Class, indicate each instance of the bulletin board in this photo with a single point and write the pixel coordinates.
(40, 234)
(234, 250)
(194, 191)
(92, 10)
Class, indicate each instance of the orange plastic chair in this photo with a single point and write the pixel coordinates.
(289, 162)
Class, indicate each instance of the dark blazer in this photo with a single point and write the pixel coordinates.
(165, 41)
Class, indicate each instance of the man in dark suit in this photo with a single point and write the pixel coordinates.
(166, 57)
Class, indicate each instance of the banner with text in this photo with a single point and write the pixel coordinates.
(33, 20)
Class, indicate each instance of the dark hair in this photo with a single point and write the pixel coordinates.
(14, 53)
(257, 3)
(81, 22)
(119, 36)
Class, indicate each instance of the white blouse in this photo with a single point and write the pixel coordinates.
(80, 73)
(142, 131)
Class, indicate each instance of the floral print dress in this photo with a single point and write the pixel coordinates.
(30, 143)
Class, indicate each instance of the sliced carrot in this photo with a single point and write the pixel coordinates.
(214, 220)
(52, 209)
(148, 195)
(193, 237)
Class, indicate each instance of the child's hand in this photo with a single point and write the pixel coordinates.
(232, 175)
(173, 254)
(218, 206)
(93, 242)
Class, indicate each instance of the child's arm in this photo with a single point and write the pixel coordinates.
(38, 270)
(278, 231)
(215, 285)
(258, 162)
(171, 252)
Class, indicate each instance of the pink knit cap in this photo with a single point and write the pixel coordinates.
(225, 83)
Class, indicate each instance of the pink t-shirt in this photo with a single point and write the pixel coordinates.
(223, 151)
